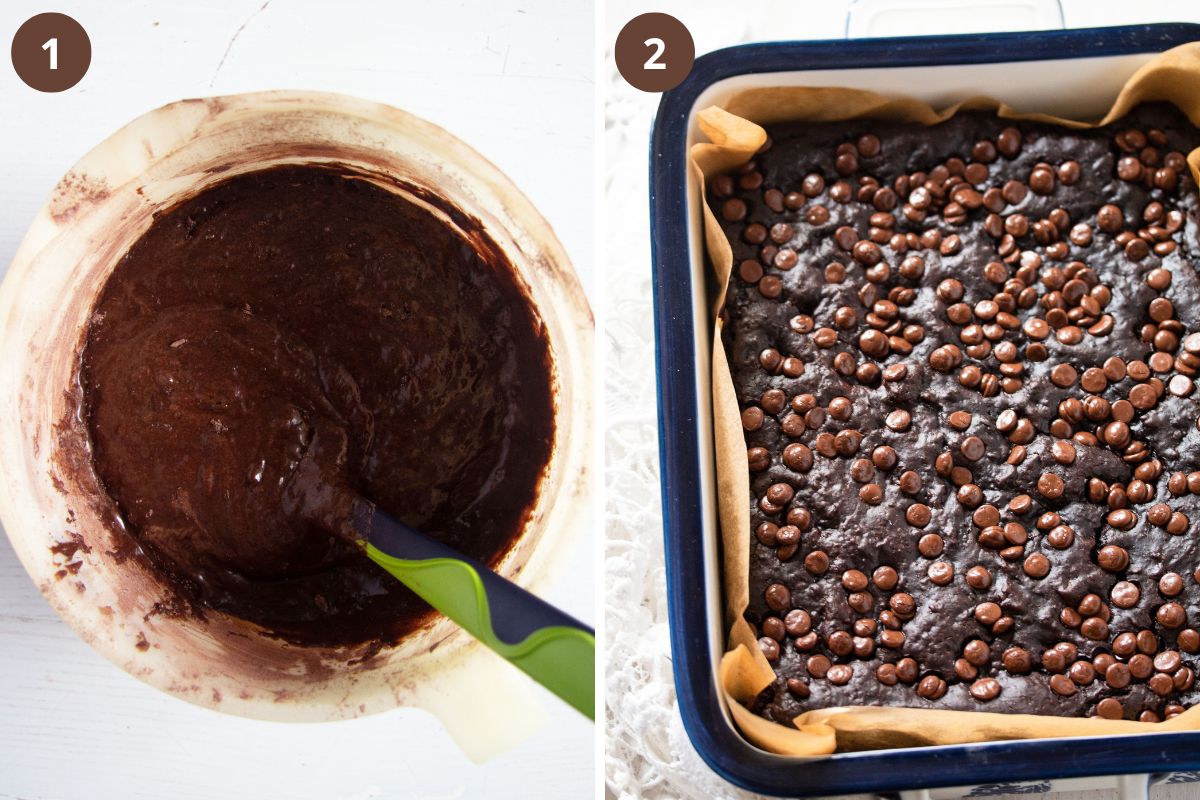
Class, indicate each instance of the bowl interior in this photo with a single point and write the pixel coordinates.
(65, 528)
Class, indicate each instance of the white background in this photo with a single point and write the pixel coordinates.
(513, 79)
(648, 753)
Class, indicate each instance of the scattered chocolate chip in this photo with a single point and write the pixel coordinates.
(985, 689)
(1062, 685)
(1037, 566)
(1171, 615)
(769, 648)
(778, 597)
(941, 573)
(1050, 485)
(931, 687)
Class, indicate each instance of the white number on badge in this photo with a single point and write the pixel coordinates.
(653, 61)
(52, 46)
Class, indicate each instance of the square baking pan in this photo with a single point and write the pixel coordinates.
(1072, 73)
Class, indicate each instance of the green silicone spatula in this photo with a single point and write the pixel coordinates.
(555, 649)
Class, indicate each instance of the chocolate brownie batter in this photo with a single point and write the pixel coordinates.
(966, 360)
(288, 338)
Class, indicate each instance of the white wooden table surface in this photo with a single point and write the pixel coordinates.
(651, 758)
(513, 79)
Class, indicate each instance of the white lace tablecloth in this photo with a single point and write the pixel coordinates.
(648, 755)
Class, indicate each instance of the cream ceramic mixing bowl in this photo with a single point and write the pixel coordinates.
(61, 522)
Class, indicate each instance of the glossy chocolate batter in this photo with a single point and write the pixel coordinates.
(285, 339)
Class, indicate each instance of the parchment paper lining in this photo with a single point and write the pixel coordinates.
(734, 135)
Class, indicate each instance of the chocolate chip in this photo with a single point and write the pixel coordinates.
(840, 674)
(1009, 142)
(846, 442)
(1171, 615)
(1112, 558)
(1050, 485)
(978, 577)
(755, 233)
(1063, 375)
(773, 627)
(1041, 180)
(1140, 666)
(1170, 584)
(1069, 172)
(930, 545)
(918, 515)
(931, 687)
(1129, 168)
(818, 666)
(972, 448)
(884, 457)
(1094, 628)
(1082, 673)
(941, 573)
(1136, 249)
(1061, 537)
(910, 482)
(1161, 684)
(885, 578)
(1063, 452)
(840, 643)
(733, 209)
(797, 622)
(805, 643)
(1037, 566)
(1125, 594)
(1062, 685)
(778, 597)
(1122, 519)
(874, 343)
(1118, 676)
(868, 145)
(1168, 661)
(769, 648)
(985, 689)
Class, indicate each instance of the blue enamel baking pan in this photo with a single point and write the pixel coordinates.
(1068, 72)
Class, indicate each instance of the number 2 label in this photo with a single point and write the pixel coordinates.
(654, 52)
(653, 61)
(52, 46)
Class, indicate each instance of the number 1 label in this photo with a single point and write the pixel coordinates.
(51, 52)
(52, 46)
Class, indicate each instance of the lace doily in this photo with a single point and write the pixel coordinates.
(647, 755)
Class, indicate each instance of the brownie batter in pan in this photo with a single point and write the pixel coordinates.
(965, 357)
(300, 305)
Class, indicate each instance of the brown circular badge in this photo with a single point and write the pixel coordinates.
(654, 52)
(51, 52)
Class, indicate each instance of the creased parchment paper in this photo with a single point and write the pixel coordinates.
(734, 135)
